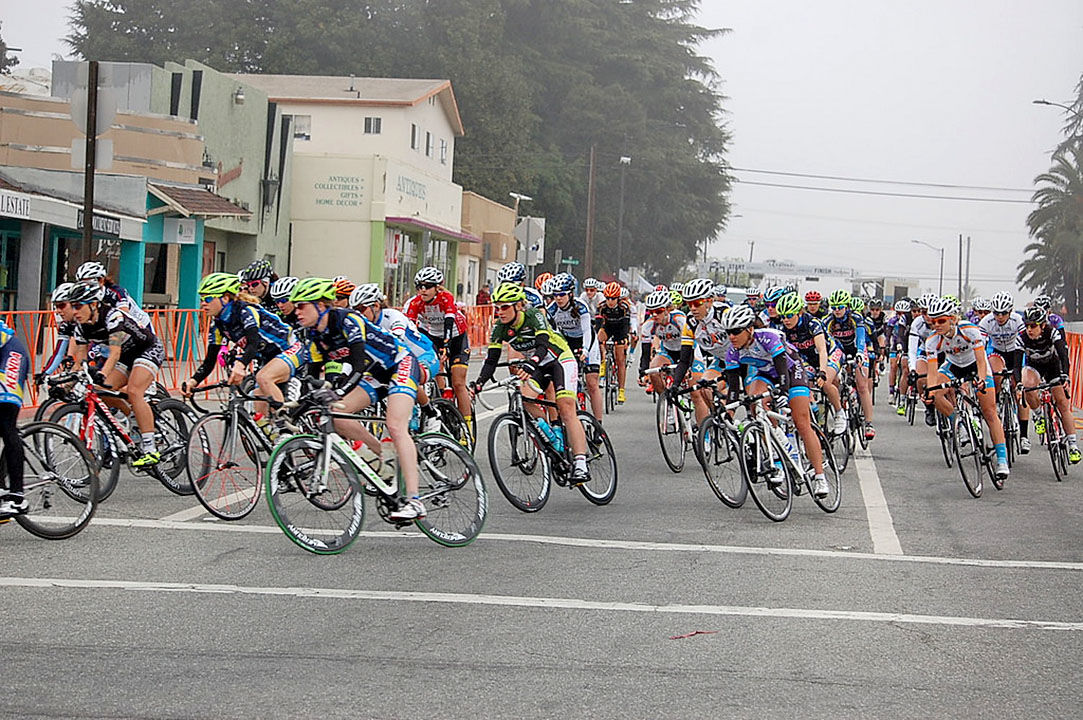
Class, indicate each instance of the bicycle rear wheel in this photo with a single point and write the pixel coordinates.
(453, 424)
(945, 433)
(224, 467)
(767, 480)
(610, 385)
(831, 502)
(322, 515)
(601, 462)
(60, 481)
(670, 433)
(967, 447)
(519, 464)
(720, 459)
(452, 490)
(1058, 453)
(173, 421)
(103, 445)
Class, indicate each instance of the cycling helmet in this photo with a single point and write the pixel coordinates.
(256, 270)
(313, 289)
(90, 271)
(282, 287)
(1044, 302)
(218, 283)
(982, 304)
(875, 304)
(343, 288)
(773, 293)
(624, 292)
(739, 318)
(541, 280)
(1035, 314)
(660, 287)
(429, 275)
(590, 283)
(677, 288)
(365, 295)
(925, 300)
(509, 292)
(954, 300)
(564, 282)
(839, 298)
(719, 290)
(789, 305)
(698, 289)
(941, 307)
(676, 298)
(753, 291)
(657, 299)
(857, 305)
(1002, 302)
(511, 272)
(902, 306)
(62, 292)
(547, 288)
(86, 292)
(813, 296)
(612, 290)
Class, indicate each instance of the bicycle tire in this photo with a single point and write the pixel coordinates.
(670, 439)
(452, 423)
(519, 464)
(911, 407)
(720, 460)
(832, 473)
(758, 450)
(840, 447)
(601, 461)
(103, 447)
(46, 408)
(987, 458)
(972, 477)
(1055, 444)
(946, 434)
(60, 481)
(296, 503)
(452, 489)
(173, 421)
(224, 466)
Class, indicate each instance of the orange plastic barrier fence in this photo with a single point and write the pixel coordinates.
(1075, 359)
(479, 323)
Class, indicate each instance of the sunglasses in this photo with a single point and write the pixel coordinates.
(840, 307)
(505, 306)
(1033, 325)
(697, 303)
(78, 305)
(426, 286)
(301, 305)
(280, 301)
(1003, 314)
(659, 311)
(790, 315)
(208, 298)
(60, 305)
(560, 294)
(253, 283)
(735, 332)
(941, 321)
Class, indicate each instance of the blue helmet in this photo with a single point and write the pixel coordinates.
(511, 272)
(564, 282)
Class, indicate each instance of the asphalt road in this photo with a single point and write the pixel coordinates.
(930, 603)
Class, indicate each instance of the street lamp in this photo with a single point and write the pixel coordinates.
(940, 290)
(625, 161)
(751, 247)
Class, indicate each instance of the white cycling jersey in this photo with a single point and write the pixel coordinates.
(919, 333)
(959, 348)
(1003, 336)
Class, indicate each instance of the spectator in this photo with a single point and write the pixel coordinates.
(485, 295)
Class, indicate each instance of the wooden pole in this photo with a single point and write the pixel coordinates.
(91, 151)
(588, 263)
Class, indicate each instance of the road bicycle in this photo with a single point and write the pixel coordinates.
(1008, 412)
(612, 383)
(107, 433)
(911, 396)
(824, 414)
(674, 423)
(526, 462)
(60, 482)
(851, 403)
(718, 448)
(973, 453)
(316, 485)
(1055, 438)
(448, 417)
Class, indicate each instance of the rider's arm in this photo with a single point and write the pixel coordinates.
(207, 366)
(912, 348)
(1061, 346)
(1017, 368)
(489, 367)
(782, 368)
(821, 350)
(683, 363)
(59, 352)
(252, 346)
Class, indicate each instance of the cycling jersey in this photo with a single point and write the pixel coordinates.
(533, 297)
(770, 358)
(574, 323)
(616, 321)
(14, 367)
(440, 318)
(117, 297)
(877, 327)
(530, 334)
(919, 333)
(592, 303)
(849, 331)
(1048, 353)
(802, 337)
(255, 331)
(705, 336)
(958, 348)
(898, 332)
(1003, 337)
(64, 333)
(668, 330)
(396, 323)
(348, 337)
(140, 345)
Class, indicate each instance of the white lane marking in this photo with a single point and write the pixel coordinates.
(487, 413)
(601, 544)
(184, 515)
(881, 527)
(545, 602)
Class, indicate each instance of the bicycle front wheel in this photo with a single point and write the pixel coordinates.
(720, 459)
(1058, 453)
(601, 462)
(945, 432)
(670, 433)
(519, 464)
(767, 480)
(224, 467)
(967, 448)
(830, 502)
(453, 424)
(322, 514)
(451, 489)
(60, 481)
(173, 421)
(840, 443)
(102, 444)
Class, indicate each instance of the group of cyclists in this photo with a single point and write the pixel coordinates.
(279, 329)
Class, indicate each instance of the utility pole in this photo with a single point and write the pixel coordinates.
(960, 295)
(588, 266)
(966, 285)
(91, 152)
(624, 162)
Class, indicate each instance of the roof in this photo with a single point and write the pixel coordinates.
(418, 224)
(364, 91)
(196, 201)
(5, 185)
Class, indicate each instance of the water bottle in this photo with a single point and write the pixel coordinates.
(415, 420)
(558, 440)
(791, 447)
(547, 431)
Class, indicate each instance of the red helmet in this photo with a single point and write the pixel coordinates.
(612, 290)
(540, 280)
(660, 287)
(813, 297)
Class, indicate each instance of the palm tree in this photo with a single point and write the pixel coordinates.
(1055, 261)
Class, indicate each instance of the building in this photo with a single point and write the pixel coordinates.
(495, 225)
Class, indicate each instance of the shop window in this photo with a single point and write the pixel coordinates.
(9, 267)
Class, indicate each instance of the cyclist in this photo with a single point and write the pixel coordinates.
(1046, 303)
(115, 295)
(897, 332)
(434, 311)
(850, 332)
(769, 362)
(64, 316)
(979, 310)
(920, 330)
(256, 333)
(590, 295)
(280, 293)
(514, 272)
(858, 308)
(256, 280)
(663, 327)
(14, 366)
(877, 321)
(548, 360)
(572, 319)
(814, 306)
(135, 354)
(704, 334)
(1046, 353)
(769, 316)
(1003, 326)
(343, 287)
(720, 300)
(615, 319)
(539, 285)
(381, 367)
(963, 345)
(819, 351)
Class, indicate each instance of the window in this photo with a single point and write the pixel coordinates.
(443, 151)
(428, 144)
(302, 127)
(415, 134)
(372, 126)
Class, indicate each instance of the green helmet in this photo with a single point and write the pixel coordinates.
(857, 305)
(509, 292)
(218, 283)
(313, 289)
(839, 298)
(676, 297)
(789, 305)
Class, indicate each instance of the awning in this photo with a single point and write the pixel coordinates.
(416, 224)
(188, 201)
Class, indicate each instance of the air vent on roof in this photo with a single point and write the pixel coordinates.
(351, 84)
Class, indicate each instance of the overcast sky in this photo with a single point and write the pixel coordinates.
(923, 91)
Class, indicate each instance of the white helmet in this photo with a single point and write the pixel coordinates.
(511, 272)
(282, 287)
(657, 299)
(548, 287)
(981, 303)
(941, 307)
(365, 295)
(739, 318)
(698, 289)
(62, 292)
(429, 274)
(902, 306)
(926, 299)
(719, 290)
(90, 271)
(1002, 302)
(677, 287)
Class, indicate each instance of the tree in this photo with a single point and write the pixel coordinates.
(6, 63)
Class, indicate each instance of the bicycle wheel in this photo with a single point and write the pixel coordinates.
(670, 433)
(322, 515)
(518, 463)
(60, 481)
(452, 489)
(719, 458)
(452, 423)
(911, 405)
(610, 386)
(840, 445)
(767, 480)
(831, 502)
(601, 462)
(173, 421)
(945, 433)
(102, 444)
(224, 466)
(47, 407)
(1055, 443)
(965, 445)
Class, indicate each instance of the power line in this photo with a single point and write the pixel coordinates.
(884, 194)
(835, 218)
(882, 181)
